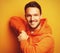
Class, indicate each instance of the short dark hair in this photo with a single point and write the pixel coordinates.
(33, 4)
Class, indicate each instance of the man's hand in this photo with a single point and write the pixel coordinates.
(23, 36)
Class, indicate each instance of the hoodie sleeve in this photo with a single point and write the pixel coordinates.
(43, 46)
(17, 23)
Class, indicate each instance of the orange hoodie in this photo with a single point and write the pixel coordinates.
(39, 41)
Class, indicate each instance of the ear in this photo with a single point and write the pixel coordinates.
(40, 16)
(25, 15)
(25, 18)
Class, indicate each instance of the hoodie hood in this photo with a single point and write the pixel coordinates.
(44, 28)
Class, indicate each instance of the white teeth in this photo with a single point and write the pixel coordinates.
(33, 23)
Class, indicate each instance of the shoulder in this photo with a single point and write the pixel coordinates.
(45, 27)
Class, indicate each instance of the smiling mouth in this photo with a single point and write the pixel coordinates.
(33, 21)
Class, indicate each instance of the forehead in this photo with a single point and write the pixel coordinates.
(32, 10)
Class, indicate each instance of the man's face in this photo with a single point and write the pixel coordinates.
(32, 16)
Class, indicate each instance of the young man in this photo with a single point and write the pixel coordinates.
(34, 32)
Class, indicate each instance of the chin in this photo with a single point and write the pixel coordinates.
(33, 27)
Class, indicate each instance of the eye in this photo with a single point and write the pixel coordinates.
(28, 15)
(35, 14)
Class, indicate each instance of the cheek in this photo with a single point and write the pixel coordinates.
(28, 19)
(37, 18)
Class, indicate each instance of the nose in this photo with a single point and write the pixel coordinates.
(32, 17)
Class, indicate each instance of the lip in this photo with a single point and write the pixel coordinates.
(33, 23)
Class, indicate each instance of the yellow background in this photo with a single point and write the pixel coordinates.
(8, 8)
